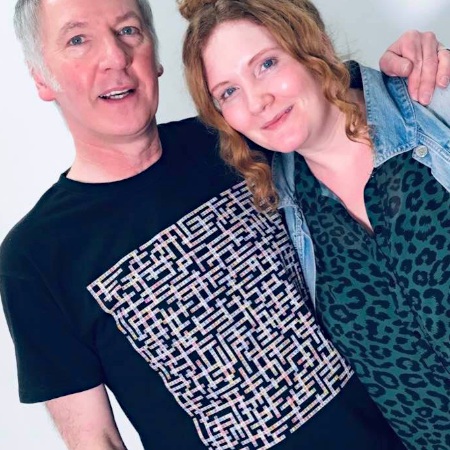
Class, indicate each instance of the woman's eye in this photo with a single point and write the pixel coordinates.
(227, 93)
(268, 63)
(76, 40)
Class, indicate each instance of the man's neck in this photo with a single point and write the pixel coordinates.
(114, 161)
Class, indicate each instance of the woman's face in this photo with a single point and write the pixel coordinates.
(262, 91)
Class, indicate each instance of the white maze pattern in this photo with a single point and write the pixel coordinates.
(215, 304)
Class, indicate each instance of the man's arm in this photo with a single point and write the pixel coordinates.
(415, 55)
(85, 420)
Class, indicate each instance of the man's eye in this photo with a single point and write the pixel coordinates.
(76, 40)
(128, 31)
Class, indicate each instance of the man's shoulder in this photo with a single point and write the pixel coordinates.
(189, 124)
(13, 247)
(30, 230)
(187, 131)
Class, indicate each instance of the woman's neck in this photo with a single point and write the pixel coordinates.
(344, 165)
(336, 152)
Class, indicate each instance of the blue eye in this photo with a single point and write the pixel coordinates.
(76, 40)
(227, 93)
(128, 31)
(268, 63)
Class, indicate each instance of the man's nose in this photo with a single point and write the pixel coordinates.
(114, 54)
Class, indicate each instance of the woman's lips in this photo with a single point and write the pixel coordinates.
(277, 120)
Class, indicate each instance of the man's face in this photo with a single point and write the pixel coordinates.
(102, 57)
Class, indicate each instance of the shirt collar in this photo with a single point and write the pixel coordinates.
(389, 109)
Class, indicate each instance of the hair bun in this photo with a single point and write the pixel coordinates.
(188, 8)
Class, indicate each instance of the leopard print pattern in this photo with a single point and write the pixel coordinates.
(384, 297)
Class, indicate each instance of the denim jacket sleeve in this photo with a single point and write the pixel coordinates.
(283, 167)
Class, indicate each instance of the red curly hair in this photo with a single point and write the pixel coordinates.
(300, 31)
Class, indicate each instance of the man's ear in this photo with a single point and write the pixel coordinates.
(160, 69)
(45, 91)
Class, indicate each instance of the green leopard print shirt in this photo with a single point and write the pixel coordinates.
(384, 298)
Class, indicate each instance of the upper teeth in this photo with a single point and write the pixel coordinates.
(116, 94)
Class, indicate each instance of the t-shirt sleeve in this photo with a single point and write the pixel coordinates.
(52, 361)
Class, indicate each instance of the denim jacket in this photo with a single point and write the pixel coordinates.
(399, 125)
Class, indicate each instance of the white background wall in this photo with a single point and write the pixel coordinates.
(35, 146)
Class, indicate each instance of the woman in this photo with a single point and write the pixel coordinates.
(362, 175)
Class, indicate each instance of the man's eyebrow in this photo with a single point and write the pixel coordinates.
(128, 15)
(68, 26)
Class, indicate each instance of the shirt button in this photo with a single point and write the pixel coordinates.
(421, 151)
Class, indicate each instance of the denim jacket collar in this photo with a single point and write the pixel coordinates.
(392, 117)
(398, 125)
(390, 112)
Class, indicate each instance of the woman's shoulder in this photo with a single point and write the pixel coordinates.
(440, 105)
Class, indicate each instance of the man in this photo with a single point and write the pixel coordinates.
(145, 268)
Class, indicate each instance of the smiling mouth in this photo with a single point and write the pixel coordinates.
(276, 120)
(117, 95)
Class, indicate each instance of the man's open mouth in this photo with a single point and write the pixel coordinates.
(116, 95)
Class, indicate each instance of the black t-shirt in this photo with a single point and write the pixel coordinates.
(189, 305)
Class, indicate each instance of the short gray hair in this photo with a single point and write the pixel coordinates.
(27, 28)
